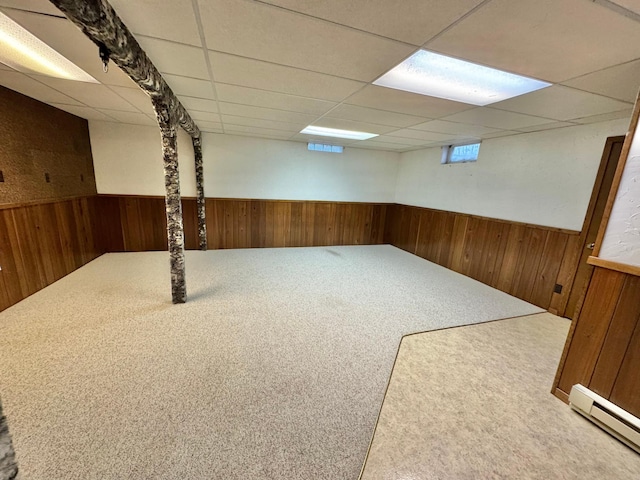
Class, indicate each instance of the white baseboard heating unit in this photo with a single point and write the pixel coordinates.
(608, 416)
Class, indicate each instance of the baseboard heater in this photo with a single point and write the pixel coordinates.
(608, 416)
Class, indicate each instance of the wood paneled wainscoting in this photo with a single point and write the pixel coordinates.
(133, 223)
(526, 261)
(603, 347)
(42, 242)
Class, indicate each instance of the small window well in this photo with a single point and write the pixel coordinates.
(321, 147)
(460, 153)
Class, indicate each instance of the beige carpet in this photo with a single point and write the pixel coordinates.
(275, 369)
(474, 403)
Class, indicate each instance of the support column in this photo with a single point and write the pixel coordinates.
(8, 466)
(175, 232)
(202, 223)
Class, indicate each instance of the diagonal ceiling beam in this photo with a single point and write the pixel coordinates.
(99, 21)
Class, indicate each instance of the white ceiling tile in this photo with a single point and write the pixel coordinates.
(420, 135)
(274, 135)
(501, 133)
(128, 117)
(561, 103)
(199, 104)
(256, 30)
(84, 112)
(553, 40)
(265, 113)
(401, 141)
(172, 20)
(632, 5)
(136, 97)
(605, 117)
(621, 81)
(411, 21)
(373, 145)
(303, 137)
(258, 130)
(91, 94)
(40, 6)
(262, 98)
(260, 123)
(215, 127)
(175, 58)
(546, 126)
(371, 115)
(190, 87)
(493, 118)
(464, 129)
(67, 39)
(21, 83)
(203, 116)
(404, 102)
(341, 124)
(277, 78)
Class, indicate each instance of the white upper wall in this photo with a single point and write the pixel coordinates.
(542, 178)
(128, 161)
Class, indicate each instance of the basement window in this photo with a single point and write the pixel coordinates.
(321, 147)
(460, 153)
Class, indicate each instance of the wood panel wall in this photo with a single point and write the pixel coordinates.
(131, 223)
(523, 260)
(603, 347)
(42, 242)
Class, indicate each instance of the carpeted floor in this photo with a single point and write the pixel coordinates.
(474, 403)
(275, 369)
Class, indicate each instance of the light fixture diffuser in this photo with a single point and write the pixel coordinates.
(335, 132)
(436, 75)
(23, 51)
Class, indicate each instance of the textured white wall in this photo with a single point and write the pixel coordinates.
(621, 241)
(127, 160)
(543, 178)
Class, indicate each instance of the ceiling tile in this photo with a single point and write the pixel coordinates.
(411, 21)
(175, 58)
(353, 126)
(277, 78)
(370, 115)
(546, 126)
(424, 137)
(561, 103)
(493, 118)
(303, 137)
(172, 20)
(260, 123)
(631, 5)
(373, 145)
(21, 83)
(256, 30)
(83, 112)
(265, 113)
(215, 127)
(91, 94)
(204, 116)
(258, 130)
(260, 134)
(136, 97)
(605, 117)
(263, 98)
(553, 40)
(501, 133)
(190, 87)
(442, 126)
(404, 141)
(621, 81)
(199, 104)
(128, 117)
(404, 102)
(40, 6)
(67, 39)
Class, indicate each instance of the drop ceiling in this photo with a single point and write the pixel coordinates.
(270, 68)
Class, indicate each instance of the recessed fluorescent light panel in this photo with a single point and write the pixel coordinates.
(23, 51)
(334, 132)
(436, 75)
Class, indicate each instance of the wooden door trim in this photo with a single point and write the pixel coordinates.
(624, 154)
